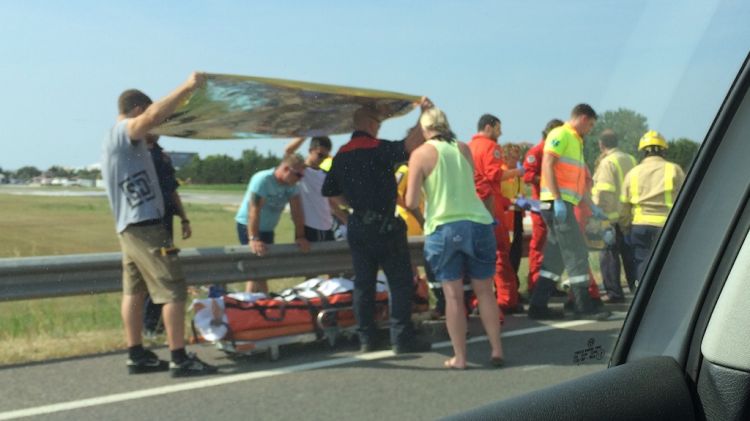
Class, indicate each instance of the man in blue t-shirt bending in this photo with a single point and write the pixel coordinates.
(267, 195)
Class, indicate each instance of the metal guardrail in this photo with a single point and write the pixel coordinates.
(81, 274)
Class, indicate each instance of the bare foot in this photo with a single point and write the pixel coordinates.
(451, 364)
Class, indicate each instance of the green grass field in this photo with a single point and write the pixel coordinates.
(213, 187)
(47, 225)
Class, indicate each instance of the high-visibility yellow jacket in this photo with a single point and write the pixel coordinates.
(608, 180)
(413, 227)
(649, 192)
(570, 169)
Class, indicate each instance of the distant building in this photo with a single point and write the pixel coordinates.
(180, 159)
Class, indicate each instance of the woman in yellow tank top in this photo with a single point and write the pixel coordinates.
(458, 228)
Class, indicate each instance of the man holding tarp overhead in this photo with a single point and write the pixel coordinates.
(362, 174)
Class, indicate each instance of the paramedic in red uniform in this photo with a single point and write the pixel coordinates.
(362, 177)
(532, 164)
(488, 173)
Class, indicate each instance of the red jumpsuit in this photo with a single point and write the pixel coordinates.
(488, 172)
(532, 165)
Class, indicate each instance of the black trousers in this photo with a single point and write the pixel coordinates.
(381, 244)
(642, 239)
(516, 245)
(609, 262)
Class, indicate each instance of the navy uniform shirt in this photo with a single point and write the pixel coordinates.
(165, 173)
(362, 172)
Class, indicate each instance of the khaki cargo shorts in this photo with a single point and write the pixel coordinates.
(145, 269)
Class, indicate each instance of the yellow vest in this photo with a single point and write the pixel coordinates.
(413, 228)
(570, 168)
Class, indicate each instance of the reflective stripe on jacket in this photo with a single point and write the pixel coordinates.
(650, 189)
(607, 192)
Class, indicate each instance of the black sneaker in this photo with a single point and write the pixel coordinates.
(148, 362)
(544, 313)
(414, 345)
(192, 366)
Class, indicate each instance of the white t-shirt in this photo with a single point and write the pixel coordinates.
(316, 207)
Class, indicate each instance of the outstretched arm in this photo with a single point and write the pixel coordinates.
(415, 138)
(162, 109)
(292, 146)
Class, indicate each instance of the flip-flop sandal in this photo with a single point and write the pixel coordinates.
(449, 365)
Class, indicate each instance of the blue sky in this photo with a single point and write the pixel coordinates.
(64, 63)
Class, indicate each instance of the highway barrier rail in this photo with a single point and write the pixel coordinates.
(81, 274)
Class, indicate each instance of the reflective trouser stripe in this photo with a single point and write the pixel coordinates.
(578, 279)
(549, 275)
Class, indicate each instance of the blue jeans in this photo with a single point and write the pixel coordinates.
(461, 248)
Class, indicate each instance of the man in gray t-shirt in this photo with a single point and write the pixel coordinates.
(130, 176)
(149, 260)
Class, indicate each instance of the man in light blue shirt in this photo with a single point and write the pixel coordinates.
(267, 195)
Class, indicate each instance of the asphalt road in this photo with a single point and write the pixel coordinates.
(314, 381)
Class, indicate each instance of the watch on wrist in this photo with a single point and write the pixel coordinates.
(254, 238)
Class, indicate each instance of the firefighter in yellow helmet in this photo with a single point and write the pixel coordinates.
(649, 191)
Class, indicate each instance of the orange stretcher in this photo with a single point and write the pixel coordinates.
(297, 315)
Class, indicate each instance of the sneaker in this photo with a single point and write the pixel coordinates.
(544, 313)
(146, 363)
(414, 345)
(192, 366)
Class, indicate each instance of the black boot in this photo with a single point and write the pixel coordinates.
(538, 308)
(584, 305)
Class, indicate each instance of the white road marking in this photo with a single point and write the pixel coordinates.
(535, 367)
(236, 378)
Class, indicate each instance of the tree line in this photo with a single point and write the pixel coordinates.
(223, 169)
(629, 127)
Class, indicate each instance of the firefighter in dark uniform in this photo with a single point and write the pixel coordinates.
(362, 177)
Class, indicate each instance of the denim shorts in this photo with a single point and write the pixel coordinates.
(461, 248)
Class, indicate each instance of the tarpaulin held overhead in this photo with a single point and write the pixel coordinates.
(241, 107)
